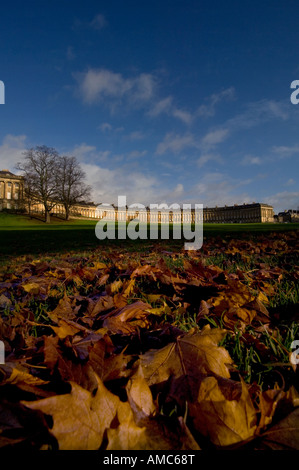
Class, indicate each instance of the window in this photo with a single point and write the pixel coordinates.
(17, 191)
(8, 192)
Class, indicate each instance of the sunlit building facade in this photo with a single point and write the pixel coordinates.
(12, 197)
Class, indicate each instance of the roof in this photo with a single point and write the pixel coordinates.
(8, 174)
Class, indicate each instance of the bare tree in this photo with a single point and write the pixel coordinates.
(70, 182)
(30, 196)
(40, 168)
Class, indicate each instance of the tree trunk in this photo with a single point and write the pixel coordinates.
(47, 217)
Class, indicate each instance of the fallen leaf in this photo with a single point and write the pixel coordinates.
(79, 418)
(268, 402)
(193, 354)
(4, 301)
(15, 374)
(31, 287)
(284, 435)
(154, 434)
(225, 420)
(140, 395)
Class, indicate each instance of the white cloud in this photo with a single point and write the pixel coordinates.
(215, 137)
(11, 151)
(251, 160)
(162, 106)
(98, 22)
(290, 182)
(285, 151)
(208, 110)
(97, 85)
(216, 188)
(175, 143)
(105, 126)
(85, 152)
(184, 116)
(166, 106)
(136, 135)
(208, 157)
(257, 113)
(108, 184)
(137, 154)
(283, 200)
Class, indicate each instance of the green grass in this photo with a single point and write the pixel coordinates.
(21, 235)
(270, 366)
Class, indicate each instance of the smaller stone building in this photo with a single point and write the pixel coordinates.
(11, 190)
(290, 216)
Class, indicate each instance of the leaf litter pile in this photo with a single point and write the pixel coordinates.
(152, 349)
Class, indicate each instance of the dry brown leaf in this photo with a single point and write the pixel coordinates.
(4, 301)
(140, 395)
(226, 420)
(65, 329)
(120, 320)
(135, 310)
(193, 354)
(31, 287)
(64, 309)
(81, 373)
(108, 368)
(15, 374)
(285, 434)
(152, 434)
(79, 418)
(268, 403)
(104, 303)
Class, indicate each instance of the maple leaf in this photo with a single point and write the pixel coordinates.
(64, 310)
(284, 435)
(15, 374)
(192, 355)
(222, 413)
(69, 370)
(66, 328)
(159, 433)
(139, 395)
(120, 321)
(79, 418)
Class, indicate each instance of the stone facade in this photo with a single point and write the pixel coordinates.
(12, 197)
(246, 213)
(11, 191)
(288, 216)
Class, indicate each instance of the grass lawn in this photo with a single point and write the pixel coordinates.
(21, 235)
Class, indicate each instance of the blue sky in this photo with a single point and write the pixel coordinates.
(161, 101)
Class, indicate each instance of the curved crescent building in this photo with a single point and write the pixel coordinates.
(12, 197)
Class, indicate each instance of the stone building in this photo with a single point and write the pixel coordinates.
(11, 191)
(288, 216)
(12, 197)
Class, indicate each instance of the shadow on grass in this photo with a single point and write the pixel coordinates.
(80, 236)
